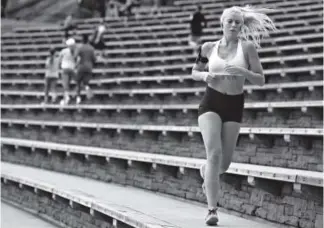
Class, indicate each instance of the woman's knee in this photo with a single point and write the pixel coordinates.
(225, 166)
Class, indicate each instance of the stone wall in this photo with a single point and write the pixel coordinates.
(301, 153)
(58, 209)
(303, 210)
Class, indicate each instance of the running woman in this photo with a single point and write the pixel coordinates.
(231, 60)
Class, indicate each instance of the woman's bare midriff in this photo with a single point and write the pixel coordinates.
(230, 85)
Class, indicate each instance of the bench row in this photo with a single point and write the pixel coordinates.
(305, 35)
(170, 60)
(252, 172)
(119, 215)
(190, 130)
(269, 106)
(273, 92)
(160, 70)
(304, 114)
(297, 151)
(112, 45)
(141, 53)
(169, 81)
(176, 31)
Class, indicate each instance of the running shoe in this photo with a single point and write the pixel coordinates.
(212, 218)
(78, 100)
(65, 101)
(89, 93)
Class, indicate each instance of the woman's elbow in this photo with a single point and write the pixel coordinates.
(194, 75)
(261, 82)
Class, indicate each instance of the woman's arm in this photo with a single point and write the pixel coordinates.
(198, 73)
(255, 73)
(47, 63)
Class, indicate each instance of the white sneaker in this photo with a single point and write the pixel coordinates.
(54, 97)
(78, 100)
(212, 218)
(65, 101)
(89, 93)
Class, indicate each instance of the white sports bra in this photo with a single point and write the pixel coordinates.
(216, 64)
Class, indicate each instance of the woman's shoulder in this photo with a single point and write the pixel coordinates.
(207, 47)
(248, 48)
(247, 45)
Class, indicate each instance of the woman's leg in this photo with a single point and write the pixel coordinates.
(46, 89)
(230, 133)
(53, 89)
(210, 125)
(66, 33)
(66, 75)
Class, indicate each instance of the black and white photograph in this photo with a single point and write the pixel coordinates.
(161, 113)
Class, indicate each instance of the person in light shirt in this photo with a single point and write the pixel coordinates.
(67, 63)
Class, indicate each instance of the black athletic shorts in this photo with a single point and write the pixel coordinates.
(83, 74)
(228, 107)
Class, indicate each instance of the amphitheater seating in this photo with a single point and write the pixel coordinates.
(167, 69)
(250, 171)
(143, 93)
(284, 60)
(127, 82)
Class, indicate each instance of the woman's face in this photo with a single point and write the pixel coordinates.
(232, 24)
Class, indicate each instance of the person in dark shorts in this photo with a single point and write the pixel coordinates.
(102, 8)
(97, 40)
(230, 60)
(156, 8)
(196, 27)
(3, 8)
(85, 60)
(51, 75)
(68, 25)
(127, 8)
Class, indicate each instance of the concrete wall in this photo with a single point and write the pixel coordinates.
(275, 202)
(58, 210)
(271, 151)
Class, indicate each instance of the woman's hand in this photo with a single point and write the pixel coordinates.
(235, 70)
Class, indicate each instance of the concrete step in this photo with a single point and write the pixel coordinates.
(179, 213)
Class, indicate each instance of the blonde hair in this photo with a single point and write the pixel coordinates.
(256, 24)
